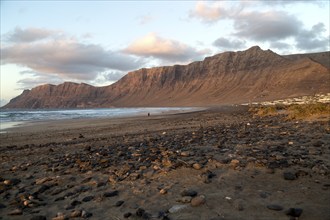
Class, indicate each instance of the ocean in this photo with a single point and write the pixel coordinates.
(12, 118)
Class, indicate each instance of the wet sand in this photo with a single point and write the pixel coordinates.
(220, 163)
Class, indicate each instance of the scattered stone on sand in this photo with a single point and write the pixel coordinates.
(184, 199)
(189, 192)
(198, 200)
(16, 212)
(275, 207)
(127, 215)
(197, 166)
(140, 212)
(88, 198)
(111, 194)
(119, 203)
(294, 212)
(75, 213)
(177, 208)
(163, 191)
(289, 176)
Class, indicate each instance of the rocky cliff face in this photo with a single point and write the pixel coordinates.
(230, 77)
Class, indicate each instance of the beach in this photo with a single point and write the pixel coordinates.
(217, 163)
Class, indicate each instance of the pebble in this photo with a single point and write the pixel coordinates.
(163, 191)
(139, 212)
(127, 215)
(185, 199)
(88, 198)
(75, 202)
(289, 176)
(177, 208)
(275, 207)
(295, 212)
(197, 166)
(85, 214)
(119, 203)
(16, 212)
(111, 194)
(189, 192)
(75, 213)
(198, 200)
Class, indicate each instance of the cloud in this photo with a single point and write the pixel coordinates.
(280, 45)
(108, 77)
(28, 35)
(63, 57)
(157, 47)
(208, 13)
(227, 44)
(266, 26)
(34, 79)
(312, 40)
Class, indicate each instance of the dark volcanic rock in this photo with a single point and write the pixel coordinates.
(189, 192)
(295, 212)
(289, 176)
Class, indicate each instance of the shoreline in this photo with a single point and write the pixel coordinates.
(219, 163)
(23, 126)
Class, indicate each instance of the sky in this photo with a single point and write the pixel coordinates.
(98, 42)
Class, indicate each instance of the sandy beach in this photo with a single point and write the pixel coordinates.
(218, 163)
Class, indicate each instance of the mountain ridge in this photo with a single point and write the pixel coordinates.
(225, 78)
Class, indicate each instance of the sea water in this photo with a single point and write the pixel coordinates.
(12, 118)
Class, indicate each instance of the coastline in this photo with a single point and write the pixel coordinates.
(27, 125)
(239, 165)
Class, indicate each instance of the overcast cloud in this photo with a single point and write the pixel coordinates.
(19, 35)
(64, 58)
(270, 25)
(227, 44)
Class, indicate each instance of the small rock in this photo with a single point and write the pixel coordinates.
(119, 203)
(88, 198)
(289, 176)
(38, 217)
(75, 214)
(295, 212)
(75, 202)
(16, 212)
(275, 207)
(198, 200)
(111, 194)
(185, 199)
(42, 180)
(189, 192)
(85, 214)
(177, 208)
(127, 215)
(197, 166)
(163, 191)
(185, 154)
(234, 163)
(139, 212)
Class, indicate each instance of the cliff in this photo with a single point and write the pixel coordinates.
(230, 77)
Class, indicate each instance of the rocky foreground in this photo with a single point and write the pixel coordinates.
(220, 163)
